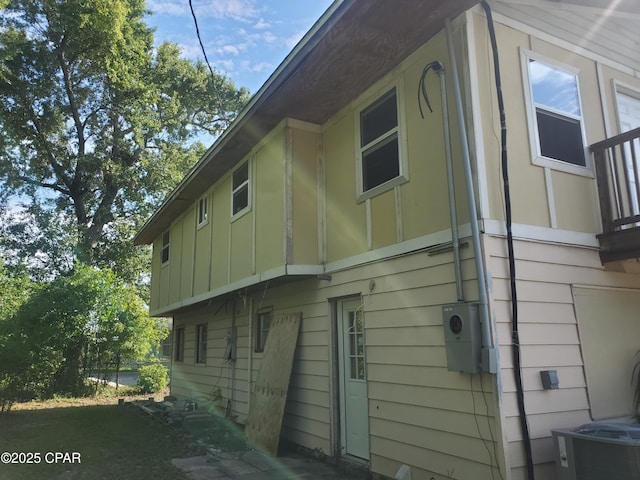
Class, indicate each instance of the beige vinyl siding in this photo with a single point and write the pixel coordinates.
(241, 247)
(615, 38)
(268, 208)
(305, 147)
(177, 258)
(345, 219)
(530, 205)
(220, 211)
(424, 198)
(156, 275)
(186, 251)
(383, 220)
(420, 413)
(549, 339)
(571, 200)
(609, 317)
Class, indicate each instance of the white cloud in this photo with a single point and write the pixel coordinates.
(293, 40)
(269, 37)
(259, 67)
(261, 24)
(167, 7)
(241, 10)
(227, 65)
(229, 50)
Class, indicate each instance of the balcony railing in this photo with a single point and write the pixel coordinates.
(617, 162)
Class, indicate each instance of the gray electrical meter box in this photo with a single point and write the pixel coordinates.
(462, 337)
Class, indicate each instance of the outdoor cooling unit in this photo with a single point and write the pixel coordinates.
(598, 451)
(462, 337)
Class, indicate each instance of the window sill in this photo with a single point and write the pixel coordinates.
(382, 188)
(561, 166)
(240, 214)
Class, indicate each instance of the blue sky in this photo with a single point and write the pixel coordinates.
(245, 39)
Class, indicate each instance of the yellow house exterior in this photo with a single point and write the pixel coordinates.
(297, 208)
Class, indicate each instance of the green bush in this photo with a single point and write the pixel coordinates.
(153, 378)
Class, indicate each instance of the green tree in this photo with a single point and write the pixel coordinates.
(51, 335)
(92, 114)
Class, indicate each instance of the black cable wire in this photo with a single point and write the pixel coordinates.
(195, 21)
(515, 337)
(475, 418)
(422, 88)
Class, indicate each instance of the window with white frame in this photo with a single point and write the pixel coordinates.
(556, 118)
(240, 189)
(380, 163)
(201, 343)
(164, 253)
(179, 344)
(203, 211)
(263, 323)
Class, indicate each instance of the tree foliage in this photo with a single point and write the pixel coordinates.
(92, 114)
(48, 338)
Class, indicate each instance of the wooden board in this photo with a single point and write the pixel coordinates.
(269, 396)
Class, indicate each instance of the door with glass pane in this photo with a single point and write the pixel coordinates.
(354, 417)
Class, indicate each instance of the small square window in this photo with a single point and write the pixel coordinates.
(164, 254)
(263, 324)
(203, 214)
(201, 343)
(240, 188)
(179, 344)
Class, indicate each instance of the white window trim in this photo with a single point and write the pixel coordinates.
(246, 209)
(536, 157)
(202, 223)
(621, 88)
(197, 360)
(162, 247)
(178, 344)
(260, 329)
(403, 167)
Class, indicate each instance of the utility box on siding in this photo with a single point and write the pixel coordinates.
(462, 337)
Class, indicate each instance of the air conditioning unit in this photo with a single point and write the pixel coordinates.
(598, 451)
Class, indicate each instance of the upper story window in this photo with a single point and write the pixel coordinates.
(164, 255)
(556, 118)
(240, 189)
(380, 162)
(203, 213)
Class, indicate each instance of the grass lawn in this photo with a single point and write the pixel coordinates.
(112, 442)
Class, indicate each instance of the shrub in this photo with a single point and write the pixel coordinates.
(153, 378)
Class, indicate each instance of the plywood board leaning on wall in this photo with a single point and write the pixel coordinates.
(269, 396)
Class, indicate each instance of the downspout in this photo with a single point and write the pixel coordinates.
(438, 68)
(488, 359)
(455, 236)
(250, 355)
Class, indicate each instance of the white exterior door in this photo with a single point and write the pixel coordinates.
(354, 415)
(629, 118)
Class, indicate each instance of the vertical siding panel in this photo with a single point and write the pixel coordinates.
(548, 335)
